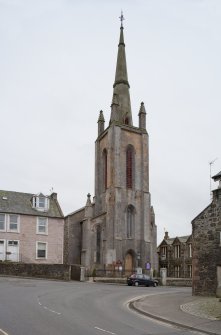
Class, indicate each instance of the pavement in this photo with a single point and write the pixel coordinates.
(181, 309)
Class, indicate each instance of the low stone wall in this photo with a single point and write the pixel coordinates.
(179, 282)
(108, 280)
(49, 271)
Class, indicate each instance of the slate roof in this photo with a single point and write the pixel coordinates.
(169, 241)
(183, 239)
(21, 203)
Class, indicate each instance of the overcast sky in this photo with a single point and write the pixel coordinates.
(57, 67)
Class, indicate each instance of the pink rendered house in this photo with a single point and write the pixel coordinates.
(31, 228)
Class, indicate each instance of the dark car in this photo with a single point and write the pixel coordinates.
(144, 280)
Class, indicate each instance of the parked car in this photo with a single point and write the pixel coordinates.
(144, 280)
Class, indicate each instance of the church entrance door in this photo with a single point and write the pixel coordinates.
(128, 264)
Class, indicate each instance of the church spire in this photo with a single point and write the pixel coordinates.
(121, 85)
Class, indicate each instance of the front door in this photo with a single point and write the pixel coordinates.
(128, 264)
(12, 251)
(2, 250)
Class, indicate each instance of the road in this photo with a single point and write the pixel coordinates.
(42, 307)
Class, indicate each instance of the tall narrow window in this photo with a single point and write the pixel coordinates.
(42, 202)
(105, 168)
(130, 221)
(2, 250)
(13, 224)
(81, 254)
(190, 271)
(42, 225)
(129, 166)
(190, 249)
(177, 271)
(98, 258)
(176, 251)
(2, 222)
(163, 253)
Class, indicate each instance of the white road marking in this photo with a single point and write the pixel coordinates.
(105, 331)
(48, 309)
(4, 333)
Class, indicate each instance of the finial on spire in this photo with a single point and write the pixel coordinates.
(121, 18)
(88, 203)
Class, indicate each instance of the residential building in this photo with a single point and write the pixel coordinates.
(175, 254)
(31, 228)
(116, 230)
(206, 231)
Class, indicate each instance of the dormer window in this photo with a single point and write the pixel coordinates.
(40, 202)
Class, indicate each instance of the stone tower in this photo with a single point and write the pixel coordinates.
(117, 230)
(122, 195)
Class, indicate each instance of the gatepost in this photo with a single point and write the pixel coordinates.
(82, 273)
(163, 275)
(218, 290)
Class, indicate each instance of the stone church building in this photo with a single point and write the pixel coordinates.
(117, 228)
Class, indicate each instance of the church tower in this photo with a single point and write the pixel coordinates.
(116, 230)
(122, 206)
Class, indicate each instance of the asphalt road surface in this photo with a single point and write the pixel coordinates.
(42, 307)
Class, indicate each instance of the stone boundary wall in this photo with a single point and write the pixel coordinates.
(108, 280)
(179, 282)
(186, 282)
(47, 271)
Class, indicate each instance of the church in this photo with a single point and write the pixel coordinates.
(116, 229)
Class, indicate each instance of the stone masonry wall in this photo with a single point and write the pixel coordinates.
(206, 247)
(72, 237)
(49, 271)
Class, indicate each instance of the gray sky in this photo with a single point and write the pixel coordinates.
(57, 67)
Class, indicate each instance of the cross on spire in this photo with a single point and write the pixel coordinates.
(121, 18)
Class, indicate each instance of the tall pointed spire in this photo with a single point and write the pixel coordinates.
(121, 85)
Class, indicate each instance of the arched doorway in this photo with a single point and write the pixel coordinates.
(128, 264)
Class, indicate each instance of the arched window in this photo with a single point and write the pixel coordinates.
(98, 242)
(130, 221)
(129, 167)
(105, 169)
(126, 120)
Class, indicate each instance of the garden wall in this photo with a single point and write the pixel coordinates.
(49, 271)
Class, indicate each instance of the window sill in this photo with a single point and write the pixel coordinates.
(41, 258)
(39, 209)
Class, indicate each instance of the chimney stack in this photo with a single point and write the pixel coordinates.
(166, 236)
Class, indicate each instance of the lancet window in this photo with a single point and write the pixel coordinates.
(129, 167)
(98, 258)
(105, 169)
(130, 221)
